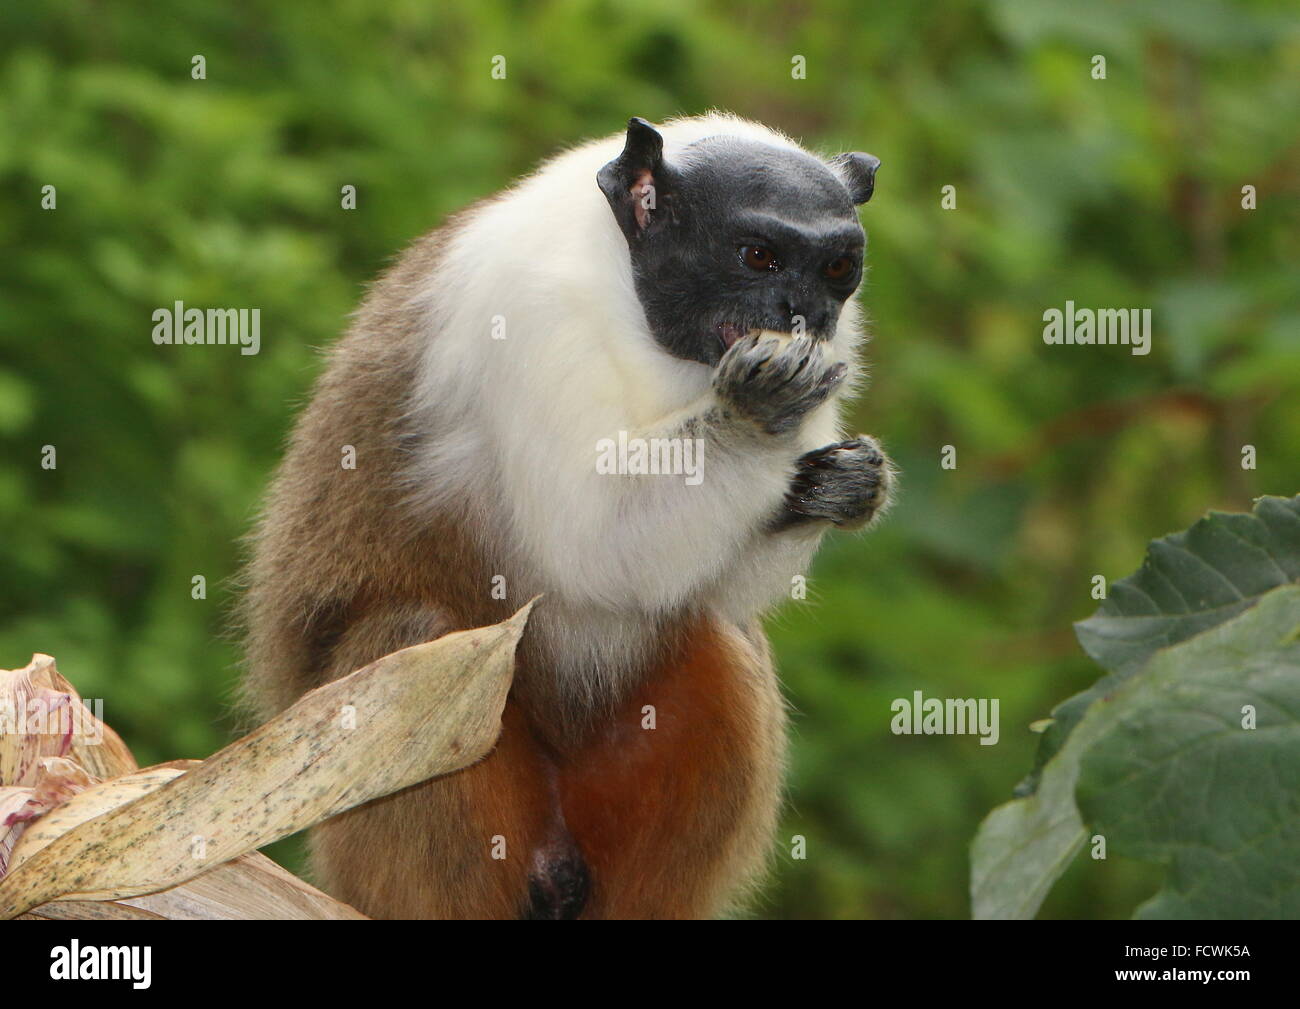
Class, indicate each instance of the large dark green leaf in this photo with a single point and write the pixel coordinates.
(1190, 581)
(1177, 777)
(1163, 770)
(1194, 580)
(1186, 651)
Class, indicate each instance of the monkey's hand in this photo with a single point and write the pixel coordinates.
(775, 386)
(847, 483)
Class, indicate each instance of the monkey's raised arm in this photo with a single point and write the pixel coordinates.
(751, 476)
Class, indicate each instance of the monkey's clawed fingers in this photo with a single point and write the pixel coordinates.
(847, 483)
(775, 385)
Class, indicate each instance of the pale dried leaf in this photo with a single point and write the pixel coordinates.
(96, 800)
(252, 887)
(418, 713)
(38, 697)
(57, 780)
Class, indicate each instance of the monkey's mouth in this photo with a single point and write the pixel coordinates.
(729, 333)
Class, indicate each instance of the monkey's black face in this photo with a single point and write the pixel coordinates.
(739, 236)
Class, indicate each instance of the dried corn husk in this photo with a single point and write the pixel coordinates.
(89, 802)
(186, 834)
(84, 739)
(51, 747)
(249, 887)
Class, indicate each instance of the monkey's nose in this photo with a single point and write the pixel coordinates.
(803, 320)
(794, 312)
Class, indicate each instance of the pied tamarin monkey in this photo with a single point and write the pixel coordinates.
(636, 281)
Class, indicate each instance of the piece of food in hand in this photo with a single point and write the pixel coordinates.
(732, 333)
(784, 339)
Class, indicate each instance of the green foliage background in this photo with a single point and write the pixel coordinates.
(1117, 193)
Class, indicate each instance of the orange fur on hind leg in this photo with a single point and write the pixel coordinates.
(672, 819)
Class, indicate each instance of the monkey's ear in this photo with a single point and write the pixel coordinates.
(858, 173)
(634, 182)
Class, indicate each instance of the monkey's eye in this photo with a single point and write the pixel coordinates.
(839, 268)
(758, 257)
